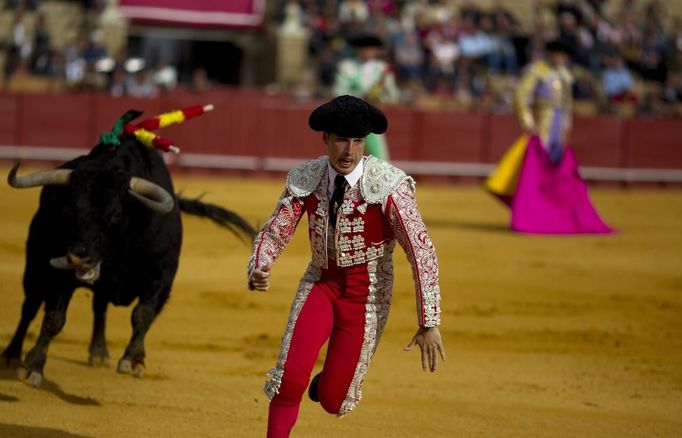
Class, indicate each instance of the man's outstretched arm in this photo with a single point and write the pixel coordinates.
(272, 239)
(410, 231)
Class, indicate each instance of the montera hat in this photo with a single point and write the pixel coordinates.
(348, 116)
(559, 46)
(366, 40)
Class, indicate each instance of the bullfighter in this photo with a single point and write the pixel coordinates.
(358, 207)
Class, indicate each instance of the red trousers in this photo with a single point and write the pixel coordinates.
(334, 311)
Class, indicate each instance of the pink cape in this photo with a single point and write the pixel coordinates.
(553, 199)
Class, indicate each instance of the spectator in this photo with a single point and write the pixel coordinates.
(74, 63)
(200, 82)
(19, 48)
(617, 80)
(165, 76)
(652, 55)
(444, 52)
(93, 50)
(42, 55)
(474, 42)
(117, 85)
(141, 85)
(504, 51)
(409, 55)
(470, 12)
(353, 12)
(30, 4)
(571, 8)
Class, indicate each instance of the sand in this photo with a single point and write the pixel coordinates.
(545, 336)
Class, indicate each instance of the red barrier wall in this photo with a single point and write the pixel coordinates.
(62, 120)
(445, 136)
(9, 120)
(652, 143)
(402, 133)
(502, 130)
(250, 123)
(598, 141)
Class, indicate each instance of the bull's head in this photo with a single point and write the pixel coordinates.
(95, 210)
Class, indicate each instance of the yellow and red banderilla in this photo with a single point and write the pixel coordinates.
(143, 130)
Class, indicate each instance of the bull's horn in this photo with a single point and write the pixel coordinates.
(61, 263)
(47, 177)
(151, 195)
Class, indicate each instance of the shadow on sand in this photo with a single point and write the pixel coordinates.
(17, 431)
(48, 386)
(7, 398)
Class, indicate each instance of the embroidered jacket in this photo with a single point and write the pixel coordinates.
(543, 100)
(380, 209)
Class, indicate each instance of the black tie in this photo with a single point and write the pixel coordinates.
(337, 197)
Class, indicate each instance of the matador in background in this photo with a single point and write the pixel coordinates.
(358, 207)
(371, 79)
(538, 176)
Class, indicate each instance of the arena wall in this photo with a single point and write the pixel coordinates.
(252, 131)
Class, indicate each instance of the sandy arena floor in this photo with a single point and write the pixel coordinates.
(545, 336)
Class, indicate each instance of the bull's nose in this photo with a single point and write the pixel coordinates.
(78, 262)
(77, 256)
(77, 250)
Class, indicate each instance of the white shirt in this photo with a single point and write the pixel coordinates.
(352, 178)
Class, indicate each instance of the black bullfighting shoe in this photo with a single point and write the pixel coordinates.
(312, 389)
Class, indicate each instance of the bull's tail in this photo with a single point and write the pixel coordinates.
(220, 216)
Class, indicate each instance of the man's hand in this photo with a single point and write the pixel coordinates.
(260, 279)
(530, 131)
(430, 344)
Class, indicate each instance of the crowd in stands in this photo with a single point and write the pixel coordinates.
(628, 61)
(33, 62)
(453, 52)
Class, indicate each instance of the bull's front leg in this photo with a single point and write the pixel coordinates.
(143, 315)
(55, 317)
(12, 354)
(99, 354)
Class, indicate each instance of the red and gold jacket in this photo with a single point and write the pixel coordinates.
(378, 211)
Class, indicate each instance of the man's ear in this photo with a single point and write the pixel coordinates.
(325, 136)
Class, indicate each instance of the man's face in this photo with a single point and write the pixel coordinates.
(344, 153)
(367, 54)
(558, 59)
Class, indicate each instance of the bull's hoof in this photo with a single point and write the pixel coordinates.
(99, 361)
(33, 378)
(129, 366)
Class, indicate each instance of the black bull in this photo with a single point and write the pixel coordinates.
(106, 221)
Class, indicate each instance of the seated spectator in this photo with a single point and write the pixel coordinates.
(617, 80)
(93, 50)
(474, 42)
(141, 85)
(117, 85)
(19, 47)
(165, 76)
(651, 58)
(353, 11)
(30, 4)
(470, 11)
(444, 52)
(502, 51)
(409, 55)
(200, 81)
(42, 55)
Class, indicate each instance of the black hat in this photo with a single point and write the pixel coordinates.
(559, 46)
(366, 40)
(348, 116)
